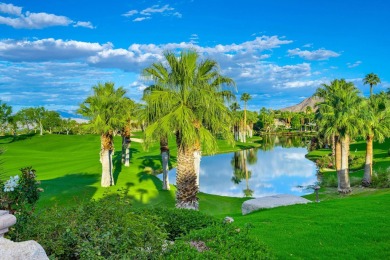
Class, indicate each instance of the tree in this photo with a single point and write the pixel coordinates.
(103, 109)
(5, 113)
(235, 115)
(51, 120)
(196, 113)
(36, 115)
(245, 97)
(372, 79)
(68, 125)
(24, 116)
(127, 114)
(338, 115)
(376, 116)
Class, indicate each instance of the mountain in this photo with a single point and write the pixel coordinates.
(301, 107)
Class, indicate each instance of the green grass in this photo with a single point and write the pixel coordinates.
(340, 227)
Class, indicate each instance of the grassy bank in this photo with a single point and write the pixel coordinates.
(352, 227)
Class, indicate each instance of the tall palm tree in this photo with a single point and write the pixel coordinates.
(376, 116)
(196, 113)
(245, 97)
(103, 108)
(372, 79)
(338, 116)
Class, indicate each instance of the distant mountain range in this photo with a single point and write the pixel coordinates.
(301, 107)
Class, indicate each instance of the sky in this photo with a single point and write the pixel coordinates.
(53, 51)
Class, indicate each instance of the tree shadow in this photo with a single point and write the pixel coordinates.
(154, 163)
(65, 190)
(117, 163)
(7, 139)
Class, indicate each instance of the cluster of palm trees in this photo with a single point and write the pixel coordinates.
(344, 115)
(188, 101)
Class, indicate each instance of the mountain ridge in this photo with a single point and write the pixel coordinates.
(301, 107)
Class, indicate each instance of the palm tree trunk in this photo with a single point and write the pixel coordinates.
(368, 166)
(370, 90)
(106, 152)
(165, 161)
(197, 158)
(344, 183)
(185, 177)
(333, 145)
(126, 142)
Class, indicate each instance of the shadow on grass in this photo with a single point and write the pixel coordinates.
(6, 139)
(140, 197)
(68, 189)
(117, 163)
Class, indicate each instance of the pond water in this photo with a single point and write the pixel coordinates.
(278, 167)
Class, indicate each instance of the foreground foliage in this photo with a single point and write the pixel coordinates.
(111, 229)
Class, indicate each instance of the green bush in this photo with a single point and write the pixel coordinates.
(104, 229)
(356, 162)
(20, 192)
(381, 178)
(218, 242)
(329, 180)
(178, 222)
(325, 161)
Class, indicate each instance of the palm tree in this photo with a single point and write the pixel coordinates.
(338, 116)
(376, 116)
(372, 79)
(236, 119)
(245, 97)
(104, 109)
(196, 113)
(127, 114)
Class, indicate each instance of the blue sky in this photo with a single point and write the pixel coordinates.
(280, 51)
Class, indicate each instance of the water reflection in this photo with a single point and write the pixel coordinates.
(278, 167)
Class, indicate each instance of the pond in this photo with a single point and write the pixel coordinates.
(279, 166)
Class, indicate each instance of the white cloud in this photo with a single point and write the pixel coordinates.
(156, 9)
(320, 54)
(10, 9)
(48, 49)
(84, 24)
(177, 14)
(147, 13)
(28, 20)
(130, 13)
(308, 45)
(303, 84)
(139, 19)
(353, 65)
(35, 21)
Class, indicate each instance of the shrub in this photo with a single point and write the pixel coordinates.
(329, 180)
(381, 178)
(356, 162)
(104, 229)
(218, 242)
(325, 161)
(20, 193)
(178, 222)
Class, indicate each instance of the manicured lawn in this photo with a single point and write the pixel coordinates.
(351, 227)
